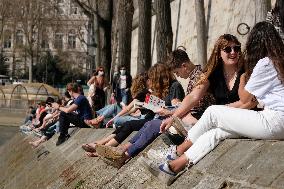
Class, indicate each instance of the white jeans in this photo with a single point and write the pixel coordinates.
(220, 122)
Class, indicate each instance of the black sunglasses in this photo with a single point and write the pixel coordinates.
(229, 49)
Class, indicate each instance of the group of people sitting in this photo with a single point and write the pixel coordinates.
(237, 94)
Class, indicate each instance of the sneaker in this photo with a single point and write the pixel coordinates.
(25, 128)
(164, 154)
(61, 139)
(158, 169)
(37, 133)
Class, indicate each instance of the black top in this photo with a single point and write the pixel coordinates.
(176, 91)
(218, 87)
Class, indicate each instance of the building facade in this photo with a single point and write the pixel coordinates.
(59, 27)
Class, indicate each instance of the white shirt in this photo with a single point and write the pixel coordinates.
(122, 81)
(265, 85)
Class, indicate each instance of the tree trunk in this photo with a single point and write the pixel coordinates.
(97, 36)
(261, 8)
(114, 40)
(164, 41)
(126, 11)
(104, 46)
(201, 33)
(144, 36)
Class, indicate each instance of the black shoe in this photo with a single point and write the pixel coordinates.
(61, 139)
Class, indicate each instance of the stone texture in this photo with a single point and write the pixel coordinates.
(235, 163)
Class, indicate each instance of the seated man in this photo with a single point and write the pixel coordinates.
(67, 115)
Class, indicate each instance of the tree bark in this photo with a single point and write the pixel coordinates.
(201, 33)
(144, 36)
(126, 11)
(261, 8)
(105, 22)
(164, 41)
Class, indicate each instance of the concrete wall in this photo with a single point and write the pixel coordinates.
(222, 16)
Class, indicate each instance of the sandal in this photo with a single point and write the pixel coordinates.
(88, 148)
(94, 123)
(91, 154)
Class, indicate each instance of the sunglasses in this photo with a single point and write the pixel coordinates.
(229, 49)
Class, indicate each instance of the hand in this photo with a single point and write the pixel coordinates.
(163, 112)
(55, 105)
(109, 123)
(37, 129)
(166, 124)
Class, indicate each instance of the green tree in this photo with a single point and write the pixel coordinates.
(48, 69)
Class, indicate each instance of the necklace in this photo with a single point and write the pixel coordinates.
(230, 77)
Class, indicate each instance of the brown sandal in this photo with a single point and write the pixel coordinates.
(88, 148)
(91, 154)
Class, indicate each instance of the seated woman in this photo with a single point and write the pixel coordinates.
(163, 85)
(119, 116)
(223, 81)
(264, 60)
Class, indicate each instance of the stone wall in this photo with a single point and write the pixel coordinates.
(222, 16)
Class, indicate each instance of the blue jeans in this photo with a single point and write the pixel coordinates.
(118, 121)
(110, 110)
(147, 134)
(123, 94)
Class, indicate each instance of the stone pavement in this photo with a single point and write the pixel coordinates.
(235, 163)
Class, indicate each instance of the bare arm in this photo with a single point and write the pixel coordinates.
(190, 101)
(71, 108)
(245, 96)
(91, 81)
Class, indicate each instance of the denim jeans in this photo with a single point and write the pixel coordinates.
(110, 110)
(118, 121)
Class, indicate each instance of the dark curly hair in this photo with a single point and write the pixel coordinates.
(177, 58)
(264, 41)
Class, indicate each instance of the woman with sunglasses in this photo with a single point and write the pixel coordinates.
(264, 81)
(221, 78)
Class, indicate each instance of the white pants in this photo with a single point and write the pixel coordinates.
(220, 122)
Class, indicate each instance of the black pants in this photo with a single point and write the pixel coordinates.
(127, 128)
(66, 118)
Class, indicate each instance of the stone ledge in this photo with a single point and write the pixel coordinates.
(235, 163)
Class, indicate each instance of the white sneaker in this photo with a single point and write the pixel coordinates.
(163, 154)
(158, 169)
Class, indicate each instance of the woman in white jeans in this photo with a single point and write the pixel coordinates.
(264, 62)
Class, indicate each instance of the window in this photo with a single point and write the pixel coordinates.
(44, 40)
(72, 40)
(60, 11)
(58, 41)
(44, 44)
(73, 9)
(19, 38)
(7, 40)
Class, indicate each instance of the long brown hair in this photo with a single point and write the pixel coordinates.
(139, 83)
(264, 41)
(215, 57)
(160, 78)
